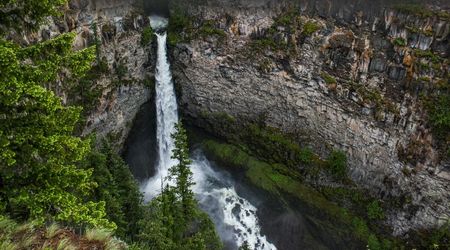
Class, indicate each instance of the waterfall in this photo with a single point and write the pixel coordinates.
(235, 218)
(166, 117)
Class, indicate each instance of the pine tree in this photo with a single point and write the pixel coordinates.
(39, 155)
(173, 220)
(182, 174)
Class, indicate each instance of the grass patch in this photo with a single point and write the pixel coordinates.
(399, 42)
(428, 54)
(329, 79)
(337, 164)
(208, 29)
(310, 28)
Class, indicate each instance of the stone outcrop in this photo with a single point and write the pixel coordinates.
(116, 26)
(346, 85)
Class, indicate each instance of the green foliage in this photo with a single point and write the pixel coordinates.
(287, 18)
(180, 27)
(26, 14)
(146, 36)
(310, 28)
(182, 174)
(121, 70)
(414, 9)
(244, 246)
(38, 152)
(337, 164)
(428, 54)
(360, 228)
(208, 29)
(328, 78)
(173, 220)
(87, 92)
(118, 188)
(282, 149)
(374, 211)
(438, 107)
(373, 243)
(261, 45)
(399, 42)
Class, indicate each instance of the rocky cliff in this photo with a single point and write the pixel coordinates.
(122, 78)
(348, 75)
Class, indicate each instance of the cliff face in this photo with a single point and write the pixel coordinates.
(122, 81)
(346, 75)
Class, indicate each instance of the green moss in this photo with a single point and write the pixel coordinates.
(261, 45)
(279, 180)
(428, 54)
(208, 29)
(399, 42)
(337, 164)
(287, 18)
(374, 211)
(328, 78)
(310, 27)
(375, 97)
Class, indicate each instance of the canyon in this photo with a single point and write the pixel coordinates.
(335, 74)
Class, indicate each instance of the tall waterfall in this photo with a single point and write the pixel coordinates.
(235, 218)
(166, 117)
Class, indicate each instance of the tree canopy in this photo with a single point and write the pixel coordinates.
(39, 155)
(173, 220)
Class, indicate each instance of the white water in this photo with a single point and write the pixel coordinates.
(234, 217)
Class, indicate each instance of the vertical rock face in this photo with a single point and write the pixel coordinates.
(348, 76)
(124, 83)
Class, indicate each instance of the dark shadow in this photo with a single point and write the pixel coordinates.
(156, 7)
(140, 147)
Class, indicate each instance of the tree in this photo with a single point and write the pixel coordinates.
(118, 188)
(173, 220)
(26, 14)
(39, 156)
(181, 172)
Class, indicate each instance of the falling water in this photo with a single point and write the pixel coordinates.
(234, 217)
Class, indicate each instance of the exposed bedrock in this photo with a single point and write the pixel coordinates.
(345, 85)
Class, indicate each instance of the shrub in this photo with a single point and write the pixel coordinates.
(328, 78)
(146, 36)
(399, 42)
(208, 29)
(374, 211)
(373, 243)
(310, 27)
(337, 164)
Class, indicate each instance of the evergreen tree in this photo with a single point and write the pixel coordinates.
(182, 174)
(173, 220)
(118, 188)
(39, 156)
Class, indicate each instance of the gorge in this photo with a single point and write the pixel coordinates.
(312, 124)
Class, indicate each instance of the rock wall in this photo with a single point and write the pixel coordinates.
(352, 84)
(126, 81)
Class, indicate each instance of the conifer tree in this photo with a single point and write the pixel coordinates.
(39, 155)
(173, 220)
(182, 174)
